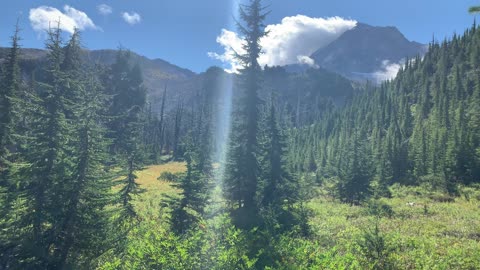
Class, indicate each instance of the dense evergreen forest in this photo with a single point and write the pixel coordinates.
(315, 178)
(421, 128)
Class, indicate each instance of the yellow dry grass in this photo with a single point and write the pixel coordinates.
(154, 190)
(148, 178)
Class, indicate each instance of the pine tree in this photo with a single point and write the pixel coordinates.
(189, 210)
(46, 179)
(196, 184)
(279, 188)
(474, 9)
(354, 185)
(242, 166)
(9, 109)
(128, 117)
(84, 232)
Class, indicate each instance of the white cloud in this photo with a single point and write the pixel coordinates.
(306, 60)
(289, 41)
(104, 9)
(232, 44)
(131, 18)
(387, 72)
(43, 18)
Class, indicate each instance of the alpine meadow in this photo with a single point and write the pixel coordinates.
(304, 142)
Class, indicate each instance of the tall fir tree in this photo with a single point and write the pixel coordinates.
(356, 175)
(278, 192)
(9, 111)
(46, 179)
(242, 168)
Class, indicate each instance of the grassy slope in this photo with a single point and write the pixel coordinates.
(428, 235)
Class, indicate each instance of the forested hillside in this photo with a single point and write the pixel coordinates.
(421, 128)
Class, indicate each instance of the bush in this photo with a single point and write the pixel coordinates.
(379, 209)
(442, 198)
(215, 245)
(375, 249)
(470, 192)
(434, 182)
(170, 177)
(400, 191)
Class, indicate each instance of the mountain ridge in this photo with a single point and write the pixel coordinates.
(366, 49)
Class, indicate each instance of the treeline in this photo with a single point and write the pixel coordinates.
(421, 128)
(72, 135)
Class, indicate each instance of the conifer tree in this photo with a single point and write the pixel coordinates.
(474, 9)
(189, 210)
(84, 232)
(279, 188)
(46, 180)
(196, 184)
(126, 108)
(242, 167)
(354, 185)
(9, 110)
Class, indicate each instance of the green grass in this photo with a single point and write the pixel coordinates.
(425, 235)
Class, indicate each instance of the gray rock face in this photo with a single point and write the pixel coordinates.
(365, 49)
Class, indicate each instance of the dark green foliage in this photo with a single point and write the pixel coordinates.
(9, 112)
(189, 210)
(242, 168)
(356, 173)
(196, 185)
(379, 209)
(422, 127)
(127, 119)
(48, 178)
(170, 177)
(125, 85)
(60, 174)
(278, 189)
(375, 248)
(85, 229)
(475, 9)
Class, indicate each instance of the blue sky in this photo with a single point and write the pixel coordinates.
(184, 31)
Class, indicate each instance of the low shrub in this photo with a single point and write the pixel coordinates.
(375, 249)
(170, 177)
(379, 208)
(442, 198)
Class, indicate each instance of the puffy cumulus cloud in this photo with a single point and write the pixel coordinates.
(289, 42)
(104, 9)
(231, 44)
(131, 18)
(43, 18)
(299, 36)
(387, 72)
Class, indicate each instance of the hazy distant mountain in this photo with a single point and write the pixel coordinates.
(157, 73)
(314, 90)
(365, 49)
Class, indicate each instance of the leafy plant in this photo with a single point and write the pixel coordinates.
(379, 209)
(375, 248)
